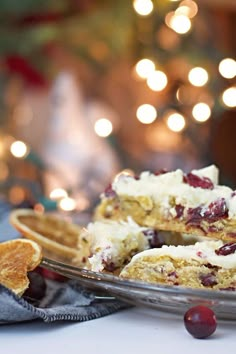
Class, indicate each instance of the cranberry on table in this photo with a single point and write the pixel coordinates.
(200, 321)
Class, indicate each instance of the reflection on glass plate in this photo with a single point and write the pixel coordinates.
(166, 298)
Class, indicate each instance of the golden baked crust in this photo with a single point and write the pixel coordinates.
(17, 257)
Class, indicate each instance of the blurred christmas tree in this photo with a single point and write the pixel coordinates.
(158, 64)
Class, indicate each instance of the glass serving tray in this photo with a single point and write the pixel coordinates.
(167, 298)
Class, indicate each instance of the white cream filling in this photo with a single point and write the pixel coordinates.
(203, 252)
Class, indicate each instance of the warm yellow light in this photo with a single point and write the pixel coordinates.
(157, 81)
(103, 127)
(143, 7)
(180, 23)
(146, 113)
(144, 68)
(67, 204)
(201, 112)
(227, 68)
(198, 76)
(176, 122)
(19, 149)
(229, 97)
(188, 8)
(58, 193)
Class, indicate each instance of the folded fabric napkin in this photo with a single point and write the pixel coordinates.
(63, 301)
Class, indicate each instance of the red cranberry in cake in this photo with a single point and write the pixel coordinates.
(215, 211)
(196, 181)
(179, 210)
(109, 192)
(226, 249)
(208, 280)
(160, 172)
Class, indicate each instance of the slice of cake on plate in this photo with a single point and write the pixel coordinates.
(207, 264)
(112, 244)
(192, 203)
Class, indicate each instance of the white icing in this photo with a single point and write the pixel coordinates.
(113, 241)
(211, 172)
(163, 188)
(203, 252)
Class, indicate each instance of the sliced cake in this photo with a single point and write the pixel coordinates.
(192, 203)
(207, 264)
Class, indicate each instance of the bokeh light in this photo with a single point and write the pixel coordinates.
(67, 204)
(157, 81)
(103, 127)
(146, 113)
(16, 195)
(19, 149)
(58, 193)
(229, 97)
(227, 68)
(188, 8)
(176, 122)
(143, 7)
(198, 76)
(201, 112)
(144, 68)
(180, 23)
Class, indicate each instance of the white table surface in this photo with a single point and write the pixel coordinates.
(136, 330)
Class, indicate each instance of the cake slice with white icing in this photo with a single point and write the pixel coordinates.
(192, 203)
(207, 264)
(112, 244)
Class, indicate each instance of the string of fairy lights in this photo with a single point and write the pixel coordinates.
(180, 21)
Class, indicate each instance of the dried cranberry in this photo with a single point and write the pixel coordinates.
(179, 210)
(233, 194)
(196, 181)
(208, 279)
(109, 192)
(155, 240)
(226, 249)
(215, 211)
(173, 274)
(200, 321)
(160, 172)
(109, 266)
(37, 287)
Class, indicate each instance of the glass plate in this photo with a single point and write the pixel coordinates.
(175, 299)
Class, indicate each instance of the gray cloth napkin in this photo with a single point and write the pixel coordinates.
(67, 301)
(62, 302)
